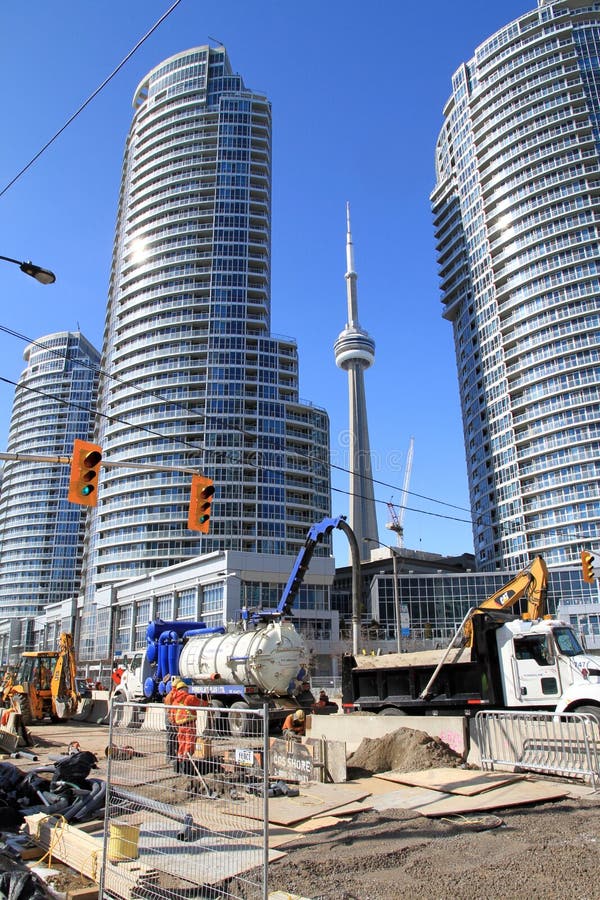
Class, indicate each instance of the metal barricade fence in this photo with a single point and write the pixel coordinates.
(566, 744)
(186, 806)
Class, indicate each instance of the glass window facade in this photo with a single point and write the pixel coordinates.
(434, 605)
(516, 207)
(41, 533)
(194, 376)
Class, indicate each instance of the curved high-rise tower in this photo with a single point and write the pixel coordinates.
(194, 377)
(41, 533)
(517, 217)
(355, 352)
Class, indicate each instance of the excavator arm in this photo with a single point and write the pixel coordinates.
(63, 686)
(531, 582)
(8, 683)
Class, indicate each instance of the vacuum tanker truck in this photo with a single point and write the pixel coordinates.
(260, 658)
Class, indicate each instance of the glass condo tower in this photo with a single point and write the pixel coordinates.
(517, 218)
(41, 533)
(192, 377)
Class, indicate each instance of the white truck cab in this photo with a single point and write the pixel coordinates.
(543, 664)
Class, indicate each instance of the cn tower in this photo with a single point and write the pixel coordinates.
(355, 352)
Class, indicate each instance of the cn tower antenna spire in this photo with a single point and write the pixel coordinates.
(349, 244)
(351, 276)
(355, 352)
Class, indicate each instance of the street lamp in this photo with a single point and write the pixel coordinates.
(44, 276)
(396, 595)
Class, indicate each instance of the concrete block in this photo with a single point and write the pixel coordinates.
(155, 717)
(331, 755)
(98, 712)
(474, 755)
(352, 728)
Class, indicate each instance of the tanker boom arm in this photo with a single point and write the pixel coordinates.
(531, 582)
(315, 536)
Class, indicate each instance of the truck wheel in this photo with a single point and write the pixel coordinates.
(240, 723)
(391, 711)
(219, 720)
(591, 711)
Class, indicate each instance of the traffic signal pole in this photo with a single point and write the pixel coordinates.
(107, 464)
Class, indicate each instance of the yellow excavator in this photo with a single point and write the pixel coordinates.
(531, 582)
(45, 685)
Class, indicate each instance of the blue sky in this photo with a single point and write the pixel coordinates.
(357, 91)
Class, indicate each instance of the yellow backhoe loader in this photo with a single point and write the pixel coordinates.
(45, 685)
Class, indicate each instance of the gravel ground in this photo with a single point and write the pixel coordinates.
(550, 851)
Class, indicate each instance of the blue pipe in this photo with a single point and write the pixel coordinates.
(218, 629)
(156, 628)
(173, 651)
(163, 645)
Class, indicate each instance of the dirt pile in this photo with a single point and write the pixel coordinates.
(406, 750)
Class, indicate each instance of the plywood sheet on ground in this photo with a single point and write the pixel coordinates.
(313, 799)
(348, 809)
(317, 823)
(372, 783)
(453, 781)
(434, 803)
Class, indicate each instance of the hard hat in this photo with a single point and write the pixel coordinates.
(178, 684)
(299, 715)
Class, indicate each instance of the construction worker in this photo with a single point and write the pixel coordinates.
(294, 726)
(304, 694)
(323, 699)
(185, 719)
(171, 700)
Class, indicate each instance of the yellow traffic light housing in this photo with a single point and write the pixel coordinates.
(200, 503)
(587, 563)
(85, 468)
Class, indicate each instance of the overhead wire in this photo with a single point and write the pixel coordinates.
(89, 99)
(223, 453)
(147, 392)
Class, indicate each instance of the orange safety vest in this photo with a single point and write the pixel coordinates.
(174, 698)
(183, 713)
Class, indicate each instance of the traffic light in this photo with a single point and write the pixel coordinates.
(85, 468)
(200, 502)
(587, 562)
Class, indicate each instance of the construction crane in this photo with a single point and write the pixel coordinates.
(397, 518)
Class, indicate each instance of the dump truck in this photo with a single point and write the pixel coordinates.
(261, 658)
(497, 660)
(45, 685)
